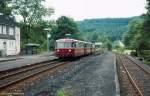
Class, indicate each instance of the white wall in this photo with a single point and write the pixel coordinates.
(1, 44)
(17, 36)
(9, 47)
(11, 50)
(12, 47)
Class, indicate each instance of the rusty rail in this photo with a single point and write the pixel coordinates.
(148, 72)
(131, 77)
(27, 74)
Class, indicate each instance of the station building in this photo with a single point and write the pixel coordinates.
(9, 36)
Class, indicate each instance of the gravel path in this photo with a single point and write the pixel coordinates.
(90, 76)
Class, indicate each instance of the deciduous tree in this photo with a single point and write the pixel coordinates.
(66, 25)
(5, 7)
(132, 37)
(32, 13)
(145, 42)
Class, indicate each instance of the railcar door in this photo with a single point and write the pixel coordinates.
(84, 48)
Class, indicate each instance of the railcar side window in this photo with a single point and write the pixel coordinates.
(64, 44)
(73, 44)
(88, 45)
(80, 45)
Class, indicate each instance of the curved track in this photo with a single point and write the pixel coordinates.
(137, 74)
(14, 76)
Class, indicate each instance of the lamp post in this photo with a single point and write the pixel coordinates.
(48, 37)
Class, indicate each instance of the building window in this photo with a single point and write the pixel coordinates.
(7, 30)
(0, 29)
(4, 29)
(10, 44)
(11, 31)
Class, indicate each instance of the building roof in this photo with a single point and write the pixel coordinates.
(98, 43)
(119, 44)
(7, 20)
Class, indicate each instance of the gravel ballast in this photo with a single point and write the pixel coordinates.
(89, 76)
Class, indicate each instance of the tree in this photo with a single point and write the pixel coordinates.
(95, 37)
(32, 13)
(137, 38)
(112, 27)
(5, 7)
(100, 38)
(145, 42)
(65, 25)
(132, 37)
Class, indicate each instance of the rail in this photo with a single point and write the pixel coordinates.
(137, 75)
(15, 76)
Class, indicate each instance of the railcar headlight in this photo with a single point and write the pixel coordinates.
(69, 50)
(57, 50)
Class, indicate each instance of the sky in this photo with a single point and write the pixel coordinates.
(88, 9)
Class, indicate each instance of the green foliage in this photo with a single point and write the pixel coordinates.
(65, 25)
(61, 93)
(33, 23)
(138, 36)
(112, 27)
(109, 45)
(5, 7)
(95, 37)
(35, 35)
(145, 43)
(31, 11)
(133, 37)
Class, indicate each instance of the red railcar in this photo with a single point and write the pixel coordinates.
(72, 48)
(89, 48)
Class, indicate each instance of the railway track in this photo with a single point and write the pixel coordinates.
(138, 75)
(15, 76)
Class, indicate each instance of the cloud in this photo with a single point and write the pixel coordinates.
(83, 9)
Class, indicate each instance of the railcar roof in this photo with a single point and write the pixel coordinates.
(72, 40)
(68, 40)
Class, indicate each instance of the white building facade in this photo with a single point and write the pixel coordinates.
(9, 36)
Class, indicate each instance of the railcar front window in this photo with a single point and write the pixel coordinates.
(64, 44)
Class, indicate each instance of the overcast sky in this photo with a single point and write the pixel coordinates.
(86, 9)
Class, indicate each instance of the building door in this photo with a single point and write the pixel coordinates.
(5, 48)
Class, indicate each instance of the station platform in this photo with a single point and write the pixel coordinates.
(7, 63)
(5, 59)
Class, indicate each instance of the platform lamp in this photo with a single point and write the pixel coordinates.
(48, 37)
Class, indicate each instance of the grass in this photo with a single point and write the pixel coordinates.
(61, 93)
(147, 62)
